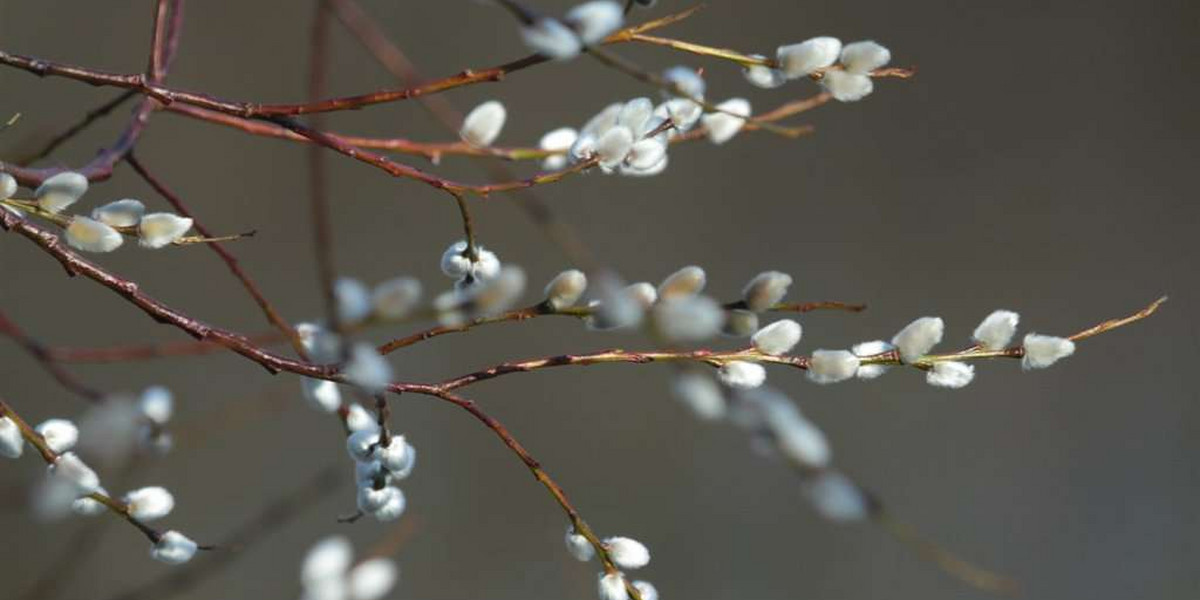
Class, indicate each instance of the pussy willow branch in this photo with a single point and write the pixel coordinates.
(273, 316)
(33, 438)
(90, 117)
(44, 357)
(234, 546)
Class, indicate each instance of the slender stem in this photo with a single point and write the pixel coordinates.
(88, 119)
(319, 210)
(43, 355)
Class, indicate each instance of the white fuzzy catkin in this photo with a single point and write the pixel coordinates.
(796, 438)
(865, 349)
(831, 366)
(612, 586)
(688, 319)
(558, 140)
(174, 548)
(457, 264)
(60, 191)
(687, 281)
(395, 298)
(918, 338)
(579, 546)
(12, 445)
(68, 467)
(645, 157)
(565, 289)
(367, 369)
(635, 113)
(1041, 351)
(361, 444)
(720, 126)
(372, 579)
(330, 558)
(808, 57)
(483, 124)
(646, 590)
(353, 300)
(501, 292)
(627, 553)
(8, 186)
(836, 498)
(122, 213)
(864, 57)
(398, 456)
(551, 38)
(766, 290)
(762, 76)
(594, 21)
(149, 503)
(358, 419)
(60, 434)
(777, 338)
(847, 87)
(87, 506)
(160, 229)
(321, 344)
(393, 508)
(90, 235)
(996, 330)
(686, 81)
(741, 374)
(950, 374)
(701, 394)
(613, 146)
(157, 404)
(371, 500)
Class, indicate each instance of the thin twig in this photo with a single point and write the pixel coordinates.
(43, 355)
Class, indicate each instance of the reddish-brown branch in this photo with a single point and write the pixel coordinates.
(43, 355)
(273, 316)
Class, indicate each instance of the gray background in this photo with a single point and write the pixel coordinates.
(1043, 160)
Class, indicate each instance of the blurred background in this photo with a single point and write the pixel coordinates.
(1041, 161)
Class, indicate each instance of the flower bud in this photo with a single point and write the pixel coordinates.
(565, 289)
(60, 434)
(174, 548)
(149, 503)
(89, 235)
(996, 330)
(1041, 351)
(807, 57)
(777, 338)
(950, 374)
(483, 124)
(160, 229)
(864, 57)
(60, 191)
(594, 21)
(766, 290)
(742, 374)
(720, 127)
(831, 366)
(918, 338)
(627, 553)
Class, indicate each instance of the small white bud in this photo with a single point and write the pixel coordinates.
(499, 293)
(320, 343)
(950, 374)
(740, 323)
(701, 394)
(603, 121)
(612, 586)
(328, 559)
(457, 264)
(685, 80)
(836, 498)
(368, 473)
(367, 369)
(483, 124)
(635, 113)
(1042, 351)
(683, 112)
(864, 57)
(361, 444)
(558, 140)
(11, 442)
(687, 319)
(918, 338)
(551, 38)
(720, 127)
(371, 500)
(372, 579)
(160, 229)
(997, 330)
(565, 289)
(174, 548)
(742, 374)
(645, 156)
(358, 419)
(871, 348)
(623, 307)
(579, 546)
(149, 503)
(61, 191)
(122, 213)
(687, 281)
(8, 186)
(766, 290)
(397, 457)
(88, 507)
(583, 149)
(831, 366)
(393, 508)
(60, 434)
(395, 298)
(92, 236)
(762, 76)
(71, 469)
(808, 57)
(594, 21)
(627, 553)
(353, 300)
(156, 404)
(613, 146)
(646, 590)
(847, 87)
(777, 338)
(798, 438)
